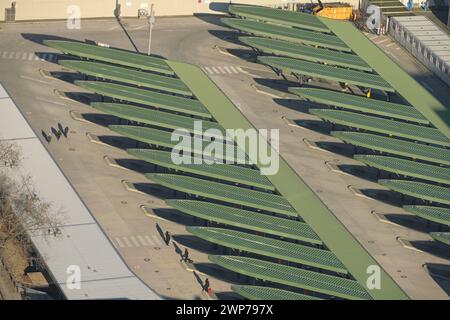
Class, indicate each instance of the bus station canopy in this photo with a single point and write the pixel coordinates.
(287, 251)
(146, 97)
(362, 104)
(295, 277)
(226, 172)
(408, 168)
(268, 293)
(285, 33)
(395, 146)
(283, 17)
(127, 75)
(225, 192)
(424, 191)
(250, 220)
(384, 126)
(111, 55)
(318, 70)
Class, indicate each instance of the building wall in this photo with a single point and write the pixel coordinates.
(60, 9)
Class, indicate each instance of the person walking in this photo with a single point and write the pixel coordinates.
(167, 235)
(206, 285)
(186, 255)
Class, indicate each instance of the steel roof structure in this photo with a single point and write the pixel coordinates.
(305, 52)
(225, 172)
(146, 97)
(127, 75)
(435, 214)
(287, 251)
(250, 220)
(288, 18)
(227, 193)
(385, 126)
(268, 293)
(322, 71)
(115, 56)
(158, 118)
(294, 277)
(443, 237)
(164, 139)
(408, 168)
(285, 33)
(362, 104)
(419, 190)
(395, 146)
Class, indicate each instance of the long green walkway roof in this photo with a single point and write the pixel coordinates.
(304, 52)
(359, 103)
(435, 214)
(407, 168)
(146, 97)
(419, 190)
(385, 126)
(294, 277)
(116, 56)
(127, 75)
(327, 72)
(443, 237)
(157, 118)
(289, 18)
(395, 146)
(227, 193)
(224, 172)
(413, 92)
(164, 139)
(245, 219)
(286, 33)
(269, 247)
(268, 293)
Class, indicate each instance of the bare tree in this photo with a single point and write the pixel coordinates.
(10, 154)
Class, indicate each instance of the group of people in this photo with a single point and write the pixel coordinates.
(58, 132)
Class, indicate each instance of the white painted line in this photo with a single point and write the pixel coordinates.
(234, 69)
(11, 55)
(221, 70)
(149, 240)
(135, 242)
(142, 241)
(390, 44)
(31, 56)
(5, 53)
(208, 70)
(156, 240)
(37, 58)
(215, 70)
(17, 56)
(380, 42)
(120, 243)
(24, 56)
(227, 70)
(32, 79)
(127, 242)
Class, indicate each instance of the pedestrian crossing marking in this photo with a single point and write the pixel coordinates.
(223, 70)
(136, 241)
(29, 56)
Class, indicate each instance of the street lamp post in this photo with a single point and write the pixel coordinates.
(151, 22)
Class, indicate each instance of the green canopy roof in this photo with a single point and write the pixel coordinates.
(419, 190)
(164, 139)
(116, 56)
(227, 193)
(294, 277)
(407, 168)
(319, 70)
(127, 75)
(268, 293)
(435, 214)
(305, 52)
(245, 219)
(288, 18)
(226, 172)
(285, 33)
(395, 146)
(385, 126)
(443, 237)
(359, 103)
(158, 118)
(269, 247)
(146, 97)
